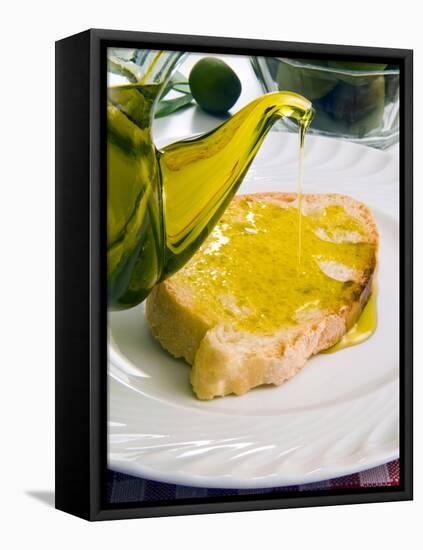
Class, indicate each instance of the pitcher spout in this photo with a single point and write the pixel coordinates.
(201, 175)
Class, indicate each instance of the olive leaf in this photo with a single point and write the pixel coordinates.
(175, 80)
(177, 83)
(167, 106)
(182, 87)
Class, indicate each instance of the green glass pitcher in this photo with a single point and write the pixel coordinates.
(162, 204)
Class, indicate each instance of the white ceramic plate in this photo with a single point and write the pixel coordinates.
(339, 415)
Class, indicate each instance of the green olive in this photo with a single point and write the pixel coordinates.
(359, 108)
(214, 85)
(308, 82)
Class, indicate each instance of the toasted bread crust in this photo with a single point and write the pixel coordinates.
(227, 361)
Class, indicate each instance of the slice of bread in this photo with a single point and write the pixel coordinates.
(247, 310)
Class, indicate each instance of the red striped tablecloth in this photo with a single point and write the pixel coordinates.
(124, 488)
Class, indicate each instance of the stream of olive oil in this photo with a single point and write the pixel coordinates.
(366, 324)
(302, 132)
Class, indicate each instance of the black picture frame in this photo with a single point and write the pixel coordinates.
(81, 293)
